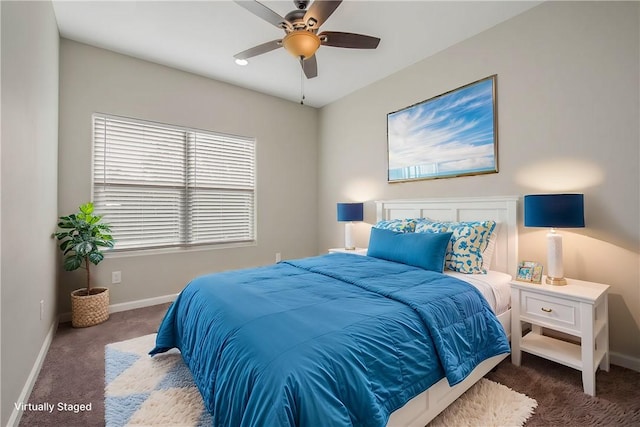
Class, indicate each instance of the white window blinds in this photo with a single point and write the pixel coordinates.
(162, 185)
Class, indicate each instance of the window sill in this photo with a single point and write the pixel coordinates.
(176, 250)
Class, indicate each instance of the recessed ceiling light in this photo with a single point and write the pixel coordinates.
(242, 62)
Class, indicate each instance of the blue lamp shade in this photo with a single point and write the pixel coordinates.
(554, 210)
(350, 211)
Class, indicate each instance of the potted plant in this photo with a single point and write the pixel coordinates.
(82, 236)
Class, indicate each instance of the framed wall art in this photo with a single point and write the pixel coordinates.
(450, 135)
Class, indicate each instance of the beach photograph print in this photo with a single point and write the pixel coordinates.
(453, 134)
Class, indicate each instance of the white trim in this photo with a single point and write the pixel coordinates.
(176, 250)
(141, 303)
(625, 361)
(14, 419)
(131, 305)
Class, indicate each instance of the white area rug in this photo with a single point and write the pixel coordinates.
(487, 403)
(145, 391)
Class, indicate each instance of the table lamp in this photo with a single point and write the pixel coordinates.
(554, 211)
(349, 212)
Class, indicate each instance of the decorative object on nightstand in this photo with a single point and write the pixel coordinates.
(554, 211)
(579, 309)
(348, 213)
(529, 271)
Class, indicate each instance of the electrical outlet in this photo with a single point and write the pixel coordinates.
(116, 277)
(278, 257)
(41, 309)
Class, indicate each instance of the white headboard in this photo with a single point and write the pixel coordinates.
(502, 209)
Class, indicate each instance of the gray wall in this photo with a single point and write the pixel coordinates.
(568, 96)
(29, 188)
(568, 113)
(97, 80)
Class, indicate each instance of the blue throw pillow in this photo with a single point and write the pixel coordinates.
(424, 250)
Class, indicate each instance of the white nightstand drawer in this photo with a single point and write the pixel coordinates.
(551, 310)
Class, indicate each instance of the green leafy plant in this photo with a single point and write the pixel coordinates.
(82, 236)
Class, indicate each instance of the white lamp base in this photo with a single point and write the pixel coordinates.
(555, 269)
(348, 236)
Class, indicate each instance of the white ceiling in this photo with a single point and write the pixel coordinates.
(202, 36)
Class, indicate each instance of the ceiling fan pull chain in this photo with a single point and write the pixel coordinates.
(301, 81)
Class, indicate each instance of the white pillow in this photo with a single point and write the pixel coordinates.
(487, 255)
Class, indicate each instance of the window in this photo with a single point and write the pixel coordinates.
(166, 186)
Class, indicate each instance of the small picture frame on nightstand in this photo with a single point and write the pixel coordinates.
(529, 271)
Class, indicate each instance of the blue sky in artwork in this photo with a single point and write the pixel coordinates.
(449, 134)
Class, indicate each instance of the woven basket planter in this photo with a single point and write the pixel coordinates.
(89, 310)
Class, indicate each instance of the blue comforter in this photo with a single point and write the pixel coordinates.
(334, 340)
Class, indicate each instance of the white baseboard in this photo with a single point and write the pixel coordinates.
(14, 419)
(147, 302)
(625, 361)
(132, 305)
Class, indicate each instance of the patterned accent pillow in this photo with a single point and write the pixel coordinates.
(468, 242)
(431, 226)
(398, 225)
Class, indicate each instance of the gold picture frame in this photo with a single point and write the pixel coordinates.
(529, 271)
(450, 135)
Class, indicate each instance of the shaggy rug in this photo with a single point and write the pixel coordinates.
(140, 390)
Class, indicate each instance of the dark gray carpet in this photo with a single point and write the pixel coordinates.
(73, 372)
(561, 402)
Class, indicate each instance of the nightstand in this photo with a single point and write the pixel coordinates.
(356, 251)
(578, 309)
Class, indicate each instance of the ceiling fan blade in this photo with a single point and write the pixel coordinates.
(319, 11)
(262, 11)
(348, 40)
(259, 50)
(310, 67)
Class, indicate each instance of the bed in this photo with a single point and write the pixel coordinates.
(503, 209)
(365, 341)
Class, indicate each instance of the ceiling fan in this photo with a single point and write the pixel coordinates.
(301, 27)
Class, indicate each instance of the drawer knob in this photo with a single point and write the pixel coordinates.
(546, 310)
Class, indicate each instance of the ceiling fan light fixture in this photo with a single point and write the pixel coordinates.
(241, 62)
(301, 27)
(301, 43)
